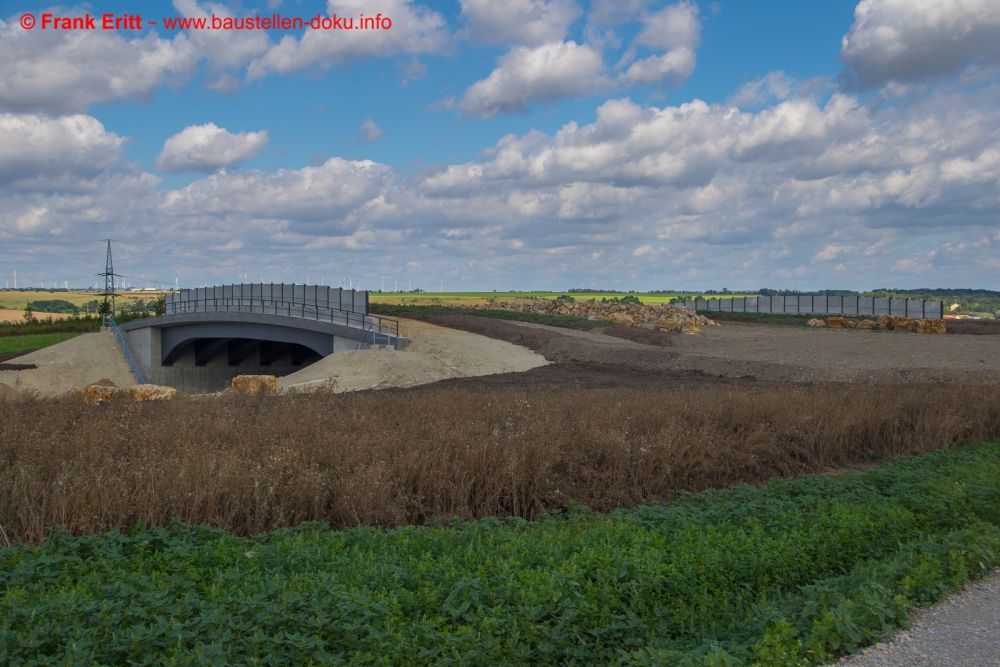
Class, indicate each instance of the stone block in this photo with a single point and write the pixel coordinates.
(261, 385)
(151, 392)
(102, 391)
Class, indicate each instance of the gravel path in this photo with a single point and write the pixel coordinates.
(964, 630)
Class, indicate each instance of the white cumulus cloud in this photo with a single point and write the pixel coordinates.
(37, 152)
(530, 22)
(673, 26)
(369, 131)
(65, 71)
(207, 148)
(225, 49)
(675, 66)
(774, 85)
(415, 29)
(323, 194)
(525, 75)
(918, 40)
(675, 29)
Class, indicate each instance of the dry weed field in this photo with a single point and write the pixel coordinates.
(390, 459)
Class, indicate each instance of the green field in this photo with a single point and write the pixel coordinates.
(16, 300)
(423, 310)
(467, 298)
(792, 573)
(10, 344)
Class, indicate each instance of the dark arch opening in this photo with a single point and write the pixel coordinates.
(237, 344)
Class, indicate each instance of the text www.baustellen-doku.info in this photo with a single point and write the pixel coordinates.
(52, 21)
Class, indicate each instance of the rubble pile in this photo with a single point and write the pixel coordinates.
(886, 323)
(661, 317)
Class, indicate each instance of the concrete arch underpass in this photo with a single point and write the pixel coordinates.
(237, 344)
(197, 350)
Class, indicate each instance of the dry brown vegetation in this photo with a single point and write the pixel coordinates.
(250, 464)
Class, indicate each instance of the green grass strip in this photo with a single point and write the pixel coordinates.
(10, 344)
(795, 573)
(44, 326)
(565, 321)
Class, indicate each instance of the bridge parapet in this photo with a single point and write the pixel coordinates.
(312, 302)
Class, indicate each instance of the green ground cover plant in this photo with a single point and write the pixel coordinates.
(76, 324)
(22, 343)
(53, 306)
(46, 325)
(792, 573)
(416, 312)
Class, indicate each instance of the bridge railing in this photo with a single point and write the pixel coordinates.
(137, 370)
(380, 326)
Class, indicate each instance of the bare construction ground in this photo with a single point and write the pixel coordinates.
(70, 365)
(745, 353)
(436, 353)
(480, 353)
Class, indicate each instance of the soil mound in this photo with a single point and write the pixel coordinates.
(78, 362)
(435, 353)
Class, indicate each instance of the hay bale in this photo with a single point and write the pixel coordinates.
(835, 322)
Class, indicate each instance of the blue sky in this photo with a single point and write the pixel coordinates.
(525, 144)
(317, 112)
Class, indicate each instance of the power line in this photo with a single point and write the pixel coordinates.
(109, 279)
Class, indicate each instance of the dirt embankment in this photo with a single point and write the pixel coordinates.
(973, 327)
(70, 365)
(435, 353)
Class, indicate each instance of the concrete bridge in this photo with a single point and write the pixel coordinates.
(209, 335)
